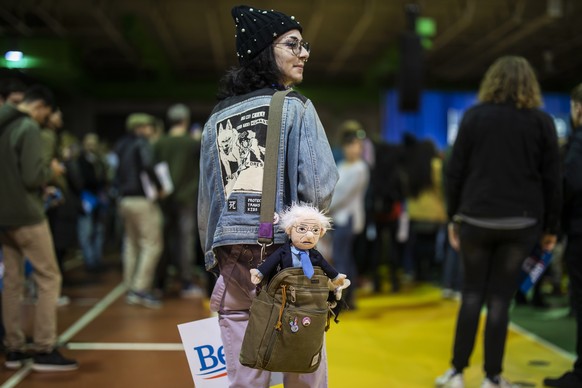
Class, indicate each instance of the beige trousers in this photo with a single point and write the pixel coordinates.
(142, 244)
(35, 243)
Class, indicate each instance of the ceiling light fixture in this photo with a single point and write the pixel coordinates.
(13, 56)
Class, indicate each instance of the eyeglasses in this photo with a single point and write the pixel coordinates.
(296, 45)
(302, 229)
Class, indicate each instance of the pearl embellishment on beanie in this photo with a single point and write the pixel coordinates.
(259, 29)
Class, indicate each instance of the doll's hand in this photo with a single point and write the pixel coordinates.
(339, 283)
(338, 291)
(256, 276)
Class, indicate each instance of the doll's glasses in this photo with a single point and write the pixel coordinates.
(302, 229)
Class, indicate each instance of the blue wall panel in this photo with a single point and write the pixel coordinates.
(440, 113)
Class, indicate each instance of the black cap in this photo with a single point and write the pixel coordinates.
(256, 29)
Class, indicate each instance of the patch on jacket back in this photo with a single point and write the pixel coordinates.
(253, 205)
(241, 140)
(232, 205)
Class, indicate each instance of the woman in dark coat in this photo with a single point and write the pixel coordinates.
(504, 196)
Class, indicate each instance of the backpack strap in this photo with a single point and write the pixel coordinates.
(279, 323)
(266, 234)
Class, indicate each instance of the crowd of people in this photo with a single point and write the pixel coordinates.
(66, 194)
(464, 218)
(25, 230)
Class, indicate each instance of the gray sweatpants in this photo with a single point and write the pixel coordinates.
(231, 298)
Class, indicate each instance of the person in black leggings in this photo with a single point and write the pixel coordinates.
(493, 259)
(504, 194)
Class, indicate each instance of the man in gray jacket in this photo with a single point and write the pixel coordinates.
(25, 233)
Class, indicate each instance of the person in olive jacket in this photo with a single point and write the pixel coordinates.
(25, 232)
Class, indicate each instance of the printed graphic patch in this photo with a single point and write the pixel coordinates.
(252, 205)
(241, 140)
(232, 205)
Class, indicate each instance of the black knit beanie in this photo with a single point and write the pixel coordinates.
(256, 29)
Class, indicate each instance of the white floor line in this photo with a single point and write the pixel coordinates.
(89, 316)
(125, 346)
(535, 338)
(17, 377)
(93, 313)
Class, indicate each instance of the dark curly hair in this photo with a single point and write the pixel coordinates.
(262, 71)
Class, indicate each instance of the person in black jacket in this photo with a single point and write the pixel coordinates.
(572, 227)
(504, 196)
(92, 171)
(143, 243)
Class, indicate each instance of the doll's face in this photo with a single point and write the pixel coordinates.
(306, 233)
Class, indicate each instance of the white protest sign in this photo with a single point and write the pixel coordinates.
(205, 354)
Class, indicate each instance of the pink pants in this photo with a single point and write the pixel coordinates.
(231, 298)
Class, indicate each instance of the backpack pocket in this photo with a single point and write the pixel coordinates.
(297, 346)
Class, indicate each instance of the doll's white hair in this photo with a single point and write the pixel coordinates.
(289, 217)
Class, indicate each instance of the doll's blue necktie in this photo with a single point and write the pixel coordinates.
(306, 264)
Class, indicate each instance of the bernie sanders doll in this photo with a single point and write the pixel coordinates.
(305, 225)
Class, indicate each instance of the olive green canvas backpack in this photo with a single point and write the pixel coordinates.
(288, 319)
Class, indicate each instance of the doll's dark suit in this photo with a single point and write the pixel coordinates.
(283, 258)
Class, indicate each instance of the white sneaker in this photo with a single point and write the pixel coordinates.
(447, 293)
(63, 301)
(502, 383)
(450, 380)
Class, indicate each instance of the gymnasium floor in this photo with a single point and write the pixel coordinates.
(390, 341)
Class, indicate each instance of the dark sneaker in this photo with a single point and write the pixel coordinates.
(567, 380)
(16, 360)
(150, 301)
(53, 362)
(145, 299)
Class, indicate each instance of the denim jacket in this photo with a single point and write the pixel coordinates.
(232, 160)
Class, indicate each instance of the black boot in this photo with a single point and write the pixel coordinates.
(567, 380)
